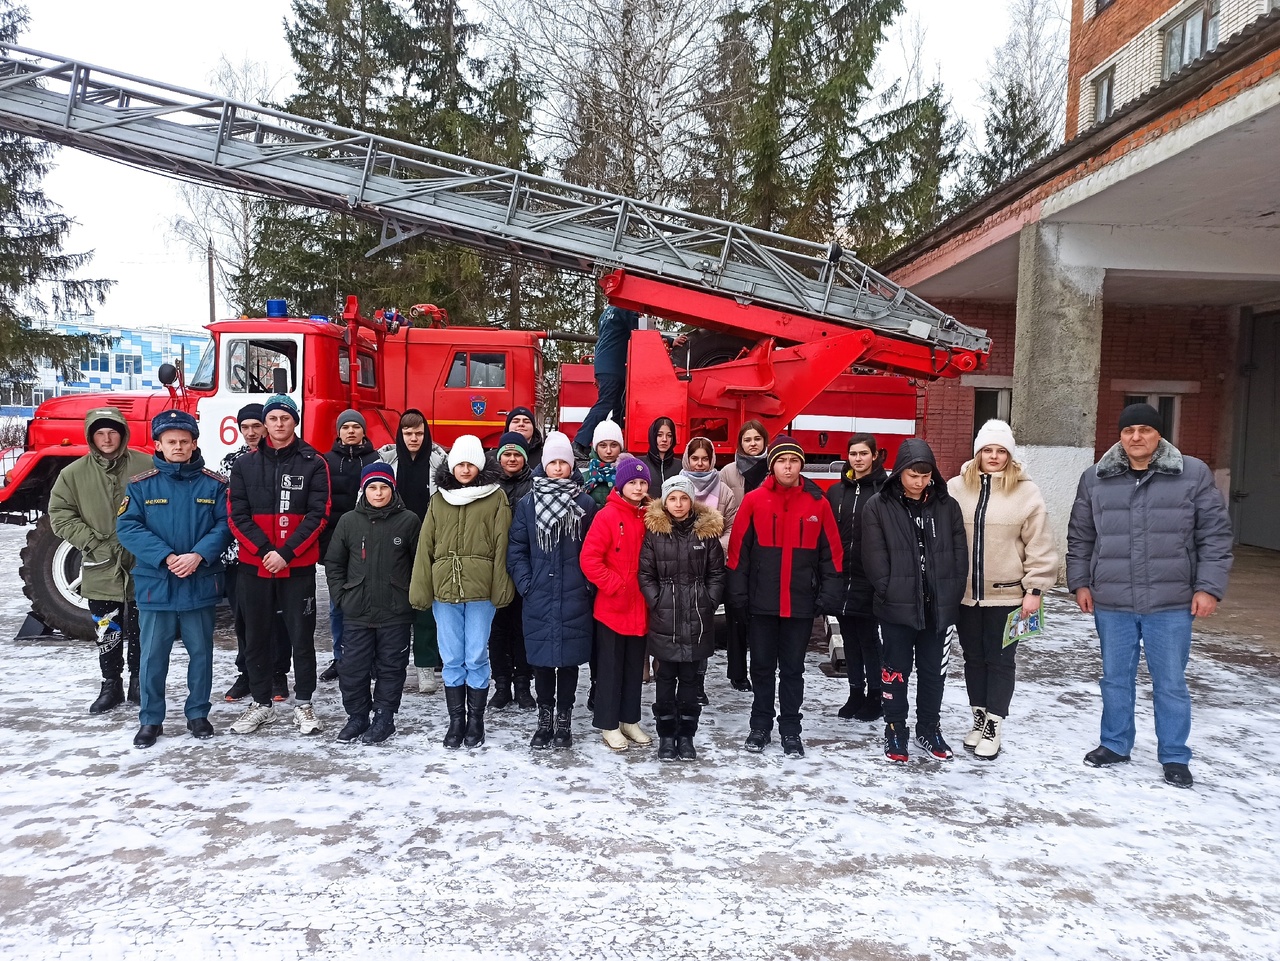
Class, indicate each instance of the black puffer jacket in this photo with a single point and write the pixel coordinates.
(370, 562)
(345, 461)
(515, 486)
(848, 500)
(891, 555)
(682, 578)
(279, 502)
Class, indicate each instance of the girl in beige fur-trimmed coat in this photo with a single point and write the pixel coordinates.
(1012, 562)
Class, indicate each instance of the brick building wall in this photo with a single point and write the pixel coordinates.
(1158, 345)
(1128, 36)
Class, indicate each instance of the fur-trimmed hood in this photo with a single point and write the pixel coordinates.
(490, 473)
(1166, 460)
(708, 523)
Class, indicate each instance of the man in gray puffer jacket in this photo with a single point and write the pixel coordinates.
(1148, 551)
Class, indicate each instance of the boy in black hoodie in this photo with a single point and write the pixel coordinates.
(506, 634)
(915, 555)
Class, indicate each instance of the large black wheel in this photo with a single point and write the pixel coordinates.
(50, 575)
(707, 347)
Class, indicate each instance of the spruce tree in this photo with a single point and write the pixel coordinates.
(36, 277)
(1016, 136)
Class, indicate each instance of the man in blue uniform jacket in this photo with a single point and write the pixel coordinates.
(174, 521)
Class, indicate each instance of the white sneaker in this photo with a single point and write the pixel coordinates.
(305, 717)
(253, 718)
(428, 680)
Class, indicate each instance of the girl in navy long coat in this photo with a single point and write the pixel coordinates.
(542, 556)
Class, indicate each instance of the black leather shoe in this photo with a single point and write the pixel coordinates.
(1102, 756)
(792, 746)
(147, 734)
(356, 725)
(330, 673)
(200, 728)
(741, 685)
(134, 697)
(1179, 775)
(112, 695)
(756, 741)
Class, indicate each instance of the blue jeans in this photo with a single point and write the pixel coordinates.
(463, 633)
(1165, 637)
(336, 629)
(609, 388)
(159, 630)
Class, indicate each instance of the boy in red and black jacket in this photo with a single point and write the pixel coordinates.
(279, 504)
(785, 558)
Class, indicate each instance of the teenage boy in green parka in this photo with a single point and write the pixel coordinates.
(83, 506)
(369, 566)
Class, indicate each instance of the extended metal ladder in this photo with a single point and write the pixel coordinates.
(412, 191)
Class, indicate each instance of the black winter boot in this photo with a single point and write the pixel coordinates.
(501, 693)
(563, 736)
(684, 737)
(455, 699)
(873, 709)
(383, 726)
(666, 725)
(541, 739)
(134, 697)
(857, 702)
(476, 696)
(112, 695)
(356, 725)
(524, 698)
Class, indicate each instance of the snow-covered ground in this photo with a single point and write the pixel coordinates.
(281, 847)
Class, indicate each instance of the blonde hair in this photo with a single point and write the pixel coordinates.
(1008, 478)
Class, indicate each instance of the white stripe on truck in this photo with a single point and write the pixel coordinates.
(574, 415)
(854, 425)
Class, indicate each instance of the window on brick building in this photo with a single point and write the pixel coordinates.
(991, 403)
(1100, 5)
(1104, 95)
(1192, 35)
(1167, 404)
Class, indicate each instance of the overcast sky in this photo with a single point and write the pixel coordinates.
(123, 214)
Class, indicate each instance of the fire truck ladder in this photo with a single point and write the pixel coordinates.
(412, 191)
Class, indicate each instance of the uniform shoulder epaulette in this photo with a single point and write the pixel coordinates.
(221, 478)
(144, 475)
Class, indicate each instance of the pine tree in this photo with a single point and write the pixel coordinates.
(36, 277)
(1016, 137)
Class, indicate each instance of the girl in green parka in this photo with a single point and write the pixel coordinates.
(461, 574)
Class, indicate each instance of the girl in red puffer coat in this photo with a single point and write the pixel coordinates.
(610, 560)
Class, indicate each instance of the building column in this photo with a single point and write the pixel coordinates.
(1057, 358)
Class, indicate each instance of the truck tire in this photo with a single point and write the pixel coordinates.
(50, 574)
(707, 347)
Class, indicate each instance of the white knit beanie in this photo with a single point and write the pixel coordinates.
(999, 433)
(557, 446)
(467, 449)
(607, 430)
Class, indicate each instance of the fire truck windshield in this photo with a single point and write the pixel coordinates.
(202, 379)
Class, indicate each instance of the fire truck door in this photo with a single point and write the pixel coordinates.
(246, 364)
(474, 397)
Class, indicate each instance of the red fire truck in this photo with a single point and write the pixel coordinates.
(785, 331)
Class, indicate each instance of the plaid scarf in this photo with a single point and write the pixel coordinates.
(599, 473)
(556, 511)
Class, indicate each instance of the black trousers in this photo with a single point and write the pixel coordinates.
(280, 640)
(676, 689)
(777, 655)
(988, 668)
(377, 653)
(117, 634)
(556, 687)
(619, 677)
(735, 650)
(928, 649)
(861, 633)
(295, 598)
(506, 642)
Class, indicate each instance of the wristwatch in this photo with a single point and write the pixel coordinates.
(1034, 592)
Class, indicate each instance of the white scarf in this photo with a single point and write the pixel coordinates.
(463, 496)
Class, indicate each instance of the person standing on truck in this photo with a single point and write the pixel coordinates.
(661, 457)
(784, 568)
(613, 334)
(415, 458)
(915, 556)
(174, 521)
(543, 553)
(511, 671)
(747, 471)
(83, 507)
(252, 430)
(860, 481)
(279, 498)
(350, 454)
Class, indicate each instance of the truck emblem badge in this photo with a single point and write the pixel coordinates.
(478, 405)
